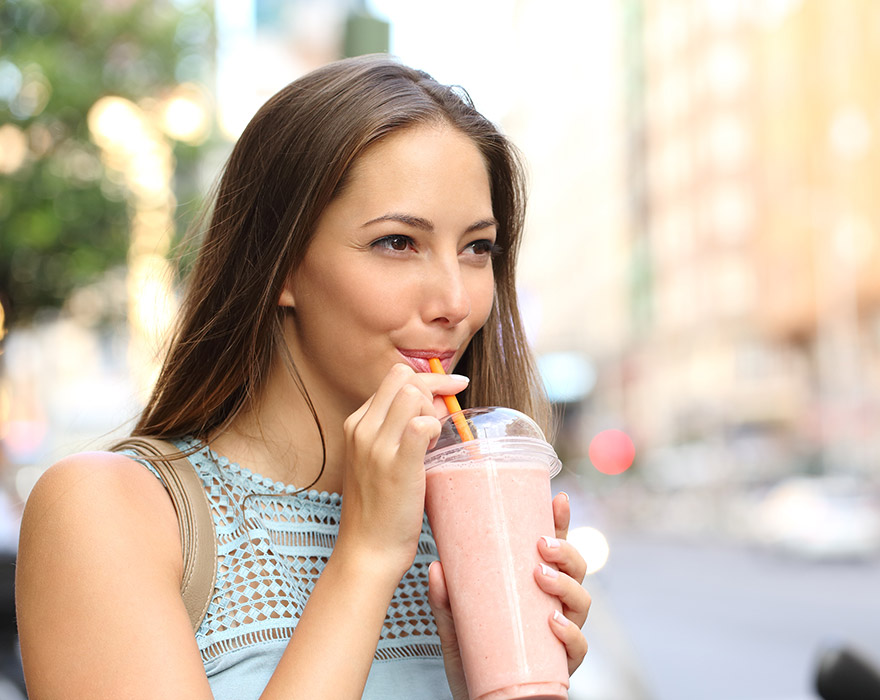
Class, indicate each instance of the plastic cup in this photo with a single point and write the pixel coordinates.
(488, 502)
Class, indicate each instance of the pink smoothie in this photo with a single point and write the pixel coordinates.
(487, 517)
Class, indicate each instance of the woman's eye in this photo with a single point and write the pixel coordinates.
(398, 244)
(484, 247)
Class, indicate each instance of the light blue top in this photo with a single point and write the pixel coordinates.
(272, 545)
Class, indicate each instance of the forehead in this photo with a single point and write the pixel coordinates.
(420, 166)
(413, 143)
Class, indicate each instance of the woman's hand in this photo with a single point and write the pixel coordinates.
(384, 479)
(382, 513)
(562, 577)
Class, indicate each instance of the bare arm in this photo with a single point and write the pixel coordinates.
(98, 586)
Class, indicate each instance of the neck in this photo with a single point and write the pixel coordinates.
(278, 436)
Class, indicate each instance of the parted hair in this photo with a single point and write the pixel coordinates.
(289, 163)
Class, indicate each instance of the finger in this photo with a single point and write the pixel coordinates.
(571, 637)
(351, 423)
(574, 597)
(399, 442)
(420, 432)
(398, 376)
(561, 514)
(377, 404)
(408, 403)
(440, 409)
(444, 384)
(441, 385)
(438, 599)
(564, 555)
(430, 385)
(400, 397)
(408, 428)
(438, 596)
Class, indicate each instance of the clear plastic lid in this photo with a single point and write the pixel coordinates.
(497, 431)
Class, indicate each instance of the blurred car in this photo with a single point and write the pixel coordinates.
(819, 517)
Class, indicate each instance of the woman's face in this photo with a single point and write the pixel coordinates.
(399, 269)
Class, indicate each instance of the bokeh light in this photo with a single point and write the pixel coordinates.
(13, 148)
(117, 123)
(592, 545)
(612, 451)
(185, 115)
(137, 151)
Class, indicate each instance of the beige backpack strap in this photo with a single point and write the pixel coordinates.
(197, 533)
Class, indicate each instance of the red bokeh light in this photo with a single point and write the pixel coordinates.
(612, 451)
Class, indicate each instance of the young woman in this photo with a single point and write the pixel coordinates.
(367, 219)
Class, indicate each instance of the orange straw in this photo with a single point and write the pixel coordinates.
(452, 405)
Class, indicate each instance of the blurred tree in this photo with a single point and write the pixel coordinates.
(365, 33)
(63, 213)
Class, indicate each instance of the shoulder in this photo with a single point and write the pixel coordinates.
(97, 468)
(94, 486)
(97, 511)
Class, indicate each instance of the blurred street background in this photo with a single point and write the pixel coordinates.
(700, 280)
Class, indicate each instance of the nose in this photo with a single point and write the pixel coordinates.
(447, 301)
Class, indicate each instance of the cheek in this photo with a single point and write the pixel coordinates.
(339, 303)
(482, 299)
(372, 305)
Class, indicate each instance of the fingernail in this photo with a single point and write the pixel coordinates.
(549, 571)
(560, 619)
(459, 377)
(551, 542)
(566, 495)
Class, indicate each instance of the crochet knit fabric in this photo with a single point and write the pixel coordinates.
(272, 545)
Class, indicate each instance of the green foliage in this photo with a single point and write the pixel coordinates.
(63, 217)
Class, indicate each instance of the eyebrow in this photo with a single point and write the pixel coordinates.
(426, 225)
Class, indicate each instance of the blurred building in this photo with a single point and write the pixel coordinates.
(566, 115)
(753, 236)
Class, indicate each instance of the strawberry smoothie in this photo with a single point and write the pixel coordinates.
(487, 512)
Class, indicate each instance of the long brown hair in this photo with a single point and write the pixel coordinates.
(288, 164)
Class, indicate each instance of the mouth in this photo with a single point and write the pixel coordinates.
(418, 359)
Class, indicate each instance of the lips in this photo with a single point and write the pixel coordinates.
(418, 359)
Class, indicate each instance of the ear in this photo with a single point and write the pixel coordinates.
(286, 296)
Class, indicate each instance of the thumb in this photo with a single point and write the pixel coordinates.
(438, 598)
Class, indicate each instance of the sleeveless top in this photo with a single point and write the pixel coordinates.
(272, 544)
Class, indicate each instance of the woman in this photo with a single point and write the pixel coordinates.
(368, 218)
